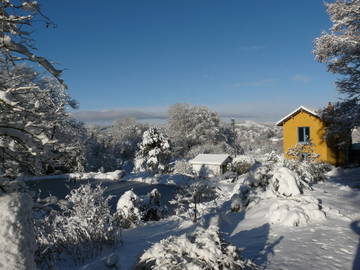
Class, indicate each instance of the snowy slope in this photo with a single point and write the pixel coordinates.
(332, 244)
(329, 244)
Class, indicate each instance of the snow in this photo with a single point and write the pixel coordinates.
(329, 244)
(283, 228)
(301, 108)
(16, 233)
(115, 175)
(285, 182)
(210, 159)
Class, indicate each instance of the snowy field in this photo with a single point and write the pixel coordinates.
(329, 243)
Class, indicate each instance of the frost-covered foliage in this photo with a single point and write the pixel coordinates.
(192, 125)
(340, 48)
(127, 134)
(100, 150)
(132, 210)
(183, 167)
(303, 152)
(81, 228)
(307, 172)
(33, 108)
(242, 164)
(195, 129)
(257, 138)
(35, 127)
(112, 148)
(203, 249)
(16, 26)
(340, 51)
(154, 152)
(189, 197)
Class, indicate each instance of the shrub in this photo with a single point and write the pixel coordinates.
(203, 249)
(241, 167)
(303, 152)
(190, 196)
(132, 210)
(183, 167)
(81, 228)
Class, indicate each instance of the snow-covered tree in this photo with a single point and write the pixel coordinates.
(193, 125)
(340, 119)
(127, 134)
(340, 48)
(154, 152)
(33, 118)
(17, 18)
(100, 150)
(34, 122)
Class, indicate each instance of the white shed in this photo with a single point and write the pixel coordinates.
(210, 164)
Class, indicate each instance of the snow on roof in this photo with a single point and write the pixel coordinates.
(301, 108)
(210, 159)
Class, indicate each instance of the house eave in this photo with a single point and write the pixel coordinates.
(299, 109)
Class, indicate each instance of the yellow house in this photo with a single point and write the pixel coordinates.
(303, 126)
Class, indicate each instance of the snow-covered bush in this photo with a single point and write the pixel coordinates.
(183, 167)
(310, 172)
(277, 188)
(241, 166)
(128, 210)
(189, 197)
(132, 210)
(154, 152)
(303, 152)
(81, 228)
(203, 249)
(236, 203)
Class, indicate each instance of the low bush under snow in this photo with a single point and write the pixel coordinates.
(203, 249)
(278, 185)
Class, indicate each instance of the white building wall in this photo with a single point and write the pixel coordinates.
(210, 169)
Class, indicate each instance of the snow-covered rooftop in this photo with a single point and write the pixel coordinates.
(210, 159)
(301, 108)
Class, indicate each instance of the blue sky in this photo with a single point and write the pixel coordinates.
(250, 58)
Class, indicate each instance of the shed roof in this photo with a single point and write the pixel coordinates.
(301, 108)
(210, 159)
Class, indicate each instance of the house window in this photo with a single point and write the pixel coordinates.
(303, 134)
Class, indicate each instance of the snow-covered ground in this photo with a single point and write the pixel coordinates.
(329, 243)
(332, 244)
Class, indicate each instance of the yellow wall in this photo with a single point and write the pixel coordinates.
(305, 119)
